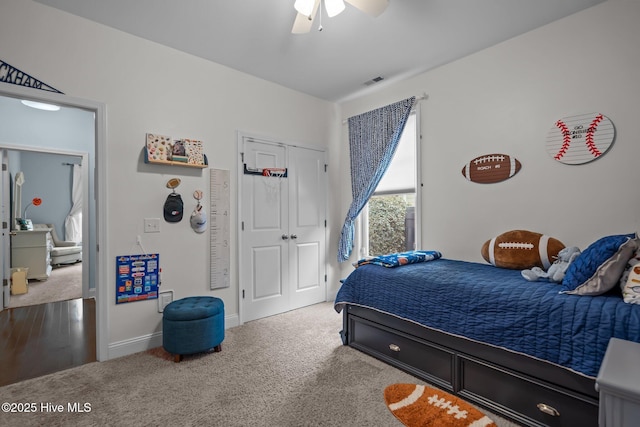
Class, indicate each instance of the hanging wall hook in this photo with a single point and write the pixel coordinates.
(173, 184)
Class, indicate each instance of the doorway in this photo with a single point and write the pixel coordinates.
(283, 227)
(51, 253)
(94, 187)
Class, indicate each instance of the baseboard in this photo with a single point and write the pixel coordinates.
(91, 293)
(146, 342)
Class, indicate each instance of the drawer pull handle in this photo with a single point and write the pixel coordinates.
(394, 347)
(549, 410)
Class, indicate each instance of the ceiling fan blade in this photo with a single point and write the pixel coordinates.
(370, 7)
(302, 23)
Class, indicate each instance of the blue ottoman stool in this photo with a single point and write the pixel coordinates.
(193, 325)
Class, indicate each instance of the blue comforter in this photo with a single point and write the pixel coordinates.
(498, 307)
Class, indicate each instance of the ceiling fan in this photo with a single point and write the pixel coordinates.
(307, 10)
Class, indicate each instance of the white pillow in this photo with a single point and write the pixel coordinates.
(635, 259)
(630, 280)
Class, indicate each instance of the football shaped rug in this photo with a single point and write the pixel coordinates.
(417, 405)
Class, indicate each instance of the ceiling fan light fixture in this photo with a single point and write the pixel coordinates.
(333, 7)
(304, 7)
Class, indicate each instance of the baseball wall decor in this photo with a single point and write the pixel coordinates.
(580, 139)
(491, 168)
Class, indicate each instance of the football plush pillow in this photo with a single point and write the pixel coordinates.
(521, 249)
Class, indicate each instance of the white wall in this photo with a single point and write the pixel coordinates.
(150, 88)
(504, 100)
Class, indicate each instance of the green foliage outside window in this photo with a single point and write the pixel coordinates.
(387, 224)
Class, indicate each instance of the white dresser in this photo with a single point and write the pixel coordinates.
(31, 249)
(618, 383)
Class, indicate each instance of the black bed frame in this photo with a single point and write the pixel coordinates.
(528, 391)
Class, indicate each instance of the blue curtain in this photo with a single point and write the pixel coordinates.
(373, 138)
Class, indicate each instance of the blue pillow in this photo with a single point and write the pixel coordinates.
(592, 272)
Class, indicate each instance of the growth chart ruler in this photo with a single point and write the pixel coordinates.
(219, 228)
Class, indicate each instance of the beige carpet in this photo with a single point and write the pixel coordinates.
(65, 283)
(285, 370)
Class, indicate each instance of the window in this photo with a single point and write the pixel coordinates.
(389, 222)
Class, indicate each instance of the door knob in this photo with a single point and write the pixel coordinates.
(285, 237)
(294, 236)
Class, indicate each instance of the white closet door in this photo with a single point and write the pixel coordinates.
(307, 213)
(282, 237)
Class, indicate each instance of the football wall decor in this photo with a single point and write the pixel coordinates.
(580, 139)
(491, 168)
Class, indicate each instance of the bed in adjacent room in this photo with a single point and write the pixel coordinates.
(523, 349)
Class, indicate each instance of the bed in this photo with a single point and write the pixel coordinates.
(518, 348)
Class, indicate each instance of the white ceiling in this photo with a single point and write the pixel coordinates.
(254, 36)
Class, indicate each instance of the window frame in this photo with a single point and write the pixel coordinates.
(363, 219)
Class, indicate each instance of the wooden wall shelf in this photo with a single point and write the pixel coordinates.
(173, 163)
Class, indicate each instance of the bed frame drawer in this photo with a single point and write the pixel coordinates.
(418, 357)
(524, 397)
(504, 382)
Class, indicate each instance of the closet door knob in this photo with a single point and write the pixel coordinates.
(294, 236)
(285, 237)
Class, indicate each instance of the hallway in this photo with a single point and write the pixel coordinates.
(41, 339)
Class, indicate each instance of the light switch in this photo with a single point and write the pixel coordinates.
(152, 225)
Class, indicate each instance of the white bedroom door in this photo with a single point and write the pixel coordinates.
(282, 229)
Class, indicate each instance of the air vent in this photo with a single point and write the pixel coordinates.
(373, 81)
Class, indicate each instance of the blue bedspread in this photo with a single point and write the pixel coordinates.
(498, 307)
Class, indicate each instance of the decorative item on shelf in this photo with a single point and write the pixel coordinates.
(178, 152)
(158, 147)
(26, 224)
(198, 216)
(161, 149)
(194, 151)
(579, 139)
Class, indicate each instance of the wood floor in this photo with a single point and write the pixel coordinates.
(46, 338)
